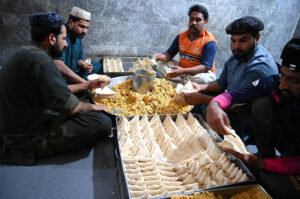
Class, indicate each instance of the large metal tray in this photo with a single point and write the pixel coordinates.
(225, 189)
(127, 64)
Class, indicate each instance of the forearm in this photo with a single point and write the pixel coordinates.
(75, 88)
(67, 73)
(195, 70)
(224, 100)
(166, 57)
(206, 99)
(283, 165)
(212, 87)
(197, 98)
(82, 108)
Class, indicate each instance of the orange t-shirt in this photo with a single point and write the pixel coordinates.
(190, 51)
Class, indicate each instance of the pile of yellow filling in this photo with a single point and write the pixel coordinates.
(159, 100)
(255, 192)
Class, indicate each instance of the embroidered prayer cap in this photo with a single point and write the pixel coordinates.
(247, 24)
(291, 54)
(81, 14)
(45, 20)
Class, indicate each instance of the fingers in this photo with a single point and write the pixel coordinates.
(99, 108)
(170, 75)
(196, 86)
(88, 67)
(226, 121)
(158, 56)
(247, 158)
(240, 156)
(105, 108)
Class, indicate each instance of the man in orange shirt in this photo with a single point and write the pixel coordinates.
(197, 49)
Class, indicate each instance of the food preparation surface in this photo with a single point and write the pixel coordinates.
(161, 157)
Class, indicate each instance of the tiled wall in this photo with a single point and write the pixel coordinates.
(144, 27)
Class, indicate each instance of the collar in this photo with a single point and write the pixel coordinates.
(39, 46)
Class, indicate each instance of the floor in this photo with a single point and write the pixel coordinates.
(88, 174)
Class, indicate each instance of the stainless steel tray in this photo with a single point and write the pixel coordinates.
(127, 64)
(226, 189)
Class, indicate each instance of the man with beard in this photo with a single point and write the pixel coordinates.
(197, 49)
(250, 61)
(276, 113)
(71, 63)
(39, 115)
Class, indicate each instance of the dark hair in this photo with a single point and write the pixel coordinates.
(74, 19)
(199, 8)
(39, 34)
(43, 24)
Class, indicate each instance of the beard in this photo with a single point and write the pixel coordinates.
(242, 53)
(288, 95)
(79, 35)
(54, 51)
(193, 29)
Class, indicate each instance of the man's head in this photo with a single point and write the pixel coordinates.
(290, 69)
(79, 22)
(198, 18)
(48, 30)
(244, 35)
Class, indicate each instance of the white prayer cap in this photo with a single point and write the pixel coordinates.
(81, 14)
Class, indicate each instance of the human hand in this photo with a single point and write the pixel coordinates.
(192, 98)
(217, 118)
(87, 67)
(159, 57)
(96, 83)
(197, 87)
(177, 70)
(250, 159)
(96, 107)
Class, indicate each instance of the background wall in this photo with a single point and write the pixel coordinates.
(144, 27)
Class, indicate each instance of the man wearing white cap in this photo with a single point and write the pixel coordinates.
(71, 63)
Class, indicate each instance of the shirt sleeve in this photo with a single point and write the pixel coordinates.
(52, 88)
(222, 80)
(71, 103)
(283, 165)
(174, 48)
(250, 77)
(208, 54)
(258, 88)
